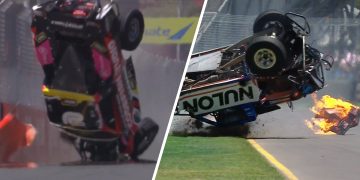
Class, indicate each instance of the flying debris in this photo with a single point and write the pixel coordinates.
(333, 116)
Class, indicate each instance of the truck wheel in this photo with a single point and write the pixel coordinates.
(144, 137)
(269, 19)
(97, 151)
(266, 56)
(132, 30)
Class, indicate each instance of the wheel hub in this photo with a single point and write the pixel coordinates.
(265, 58)
(279, 28)
(134, 28)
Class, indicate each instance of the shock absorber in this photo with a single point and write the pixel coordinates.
(242, 69)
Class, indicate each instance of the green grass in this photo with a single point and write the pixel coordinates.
(213, 158)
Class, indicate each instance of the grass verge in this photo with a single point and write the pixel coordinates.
(213, 158)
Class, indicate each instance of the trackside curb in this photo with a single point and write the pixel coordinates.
(282, 168)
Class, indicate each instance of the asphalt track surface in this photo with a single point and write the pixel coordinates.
(158, 79)
(56, 172)
(283, 134)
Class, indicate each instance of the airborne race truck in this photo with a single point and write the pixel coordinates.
(235, 83)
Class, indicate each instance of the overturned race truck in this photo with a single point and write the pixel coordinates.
(90, 89)
(236, 83)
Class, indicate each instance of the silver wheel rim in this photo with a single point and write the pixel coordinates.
(265, 58)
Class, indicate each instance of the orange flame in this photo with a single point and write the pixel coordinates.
(319, 126)
(322, 123)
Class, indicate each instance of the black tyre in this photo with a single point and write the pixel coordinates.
(269, 19)
(98, 151)
(144, 137)
(341, 128)
(132, 30)
(266, 56)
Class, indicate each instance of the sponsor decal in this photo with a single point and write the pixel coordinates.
(122, 96)
(114, 54)
(212, 99)
(41, 37)
(130, 72)
(102, 65)
(169, 30)
(99, 47)
(43, 53)
(67, 24)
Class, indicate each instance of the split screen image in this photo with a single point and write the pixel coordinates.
(176, 89)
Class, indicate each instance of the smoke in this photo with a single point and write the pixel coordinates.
(187, 126)
(283, 123)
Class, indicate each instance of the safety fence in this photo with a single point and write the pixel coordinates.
(334, 34)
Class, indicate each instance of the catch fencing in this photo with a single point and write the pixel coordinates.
(334, 33)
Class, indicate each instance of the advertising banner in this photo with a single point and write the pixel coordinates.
(169, 30)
